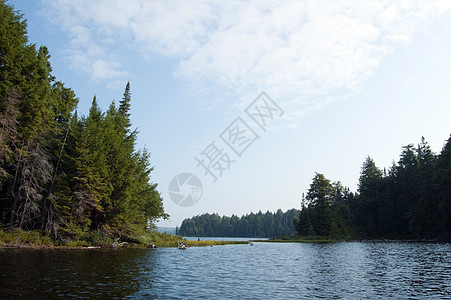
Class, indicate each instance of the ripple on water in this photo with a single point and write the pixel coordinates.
(269, 270)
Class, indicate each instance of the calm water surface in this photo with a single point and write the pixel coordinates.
(264, 270)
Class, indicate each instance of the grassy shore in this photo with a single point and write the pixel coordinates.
(39, 240)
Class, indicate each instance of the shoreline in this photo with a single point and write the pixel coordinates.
(205, 243)
(45, 247)
(322, 241)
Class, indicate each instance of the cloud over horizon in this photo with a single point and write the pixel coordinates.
(304, 53)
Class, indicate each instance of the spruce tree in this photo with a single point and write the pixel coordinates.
(443, 179)
(370, 202)
(426, 192)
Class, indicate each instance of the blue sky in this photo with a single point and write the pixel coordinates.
(353, 79)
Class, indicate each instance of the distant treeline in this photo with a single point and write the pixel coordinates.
(252, 225)
(412, 200)
(65, 174)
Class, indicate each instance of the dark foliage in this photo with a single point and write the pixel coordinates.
(253, 225)
(411, 201)
(64, 174)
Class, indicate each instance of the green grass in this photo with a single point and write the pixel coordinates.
(93, 238)
(170, 240)
(30, 238)
(160, 239)
(77, 244)
(38, 239)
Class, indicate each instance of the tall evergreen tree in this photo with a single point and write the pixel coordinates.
(426, 192)
(124, 107)
(370, 200)
(321, 195)
(443, 180)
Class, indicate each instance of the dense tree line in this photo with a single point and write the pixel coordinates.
(412, 200)
(60, 172)
(252, 225)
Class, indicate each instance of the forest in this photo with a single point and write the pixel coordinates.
(251, 225)
(72, 176)
(61, 173)
(410, 200)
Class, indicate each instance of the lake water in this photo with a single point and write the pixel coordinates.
(265, 270)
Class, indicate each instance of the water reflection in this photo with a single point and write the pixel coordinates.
(269, 270)
(73, 273)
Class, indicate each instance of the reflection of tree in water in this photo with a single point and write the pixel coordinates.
(76, 273)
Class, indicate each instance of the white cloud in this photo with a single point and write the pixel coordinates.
(302, 53)
(102, 69)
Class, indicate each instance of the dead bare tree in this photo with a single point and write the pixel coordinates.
(33, 174)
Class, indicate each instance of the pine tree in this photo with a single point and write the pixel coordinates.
(15, 53)
(370, 199)
(124, 107)
(426, 196)
(120, 141)
(320, 195)
(443, 179)
(26, 77)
